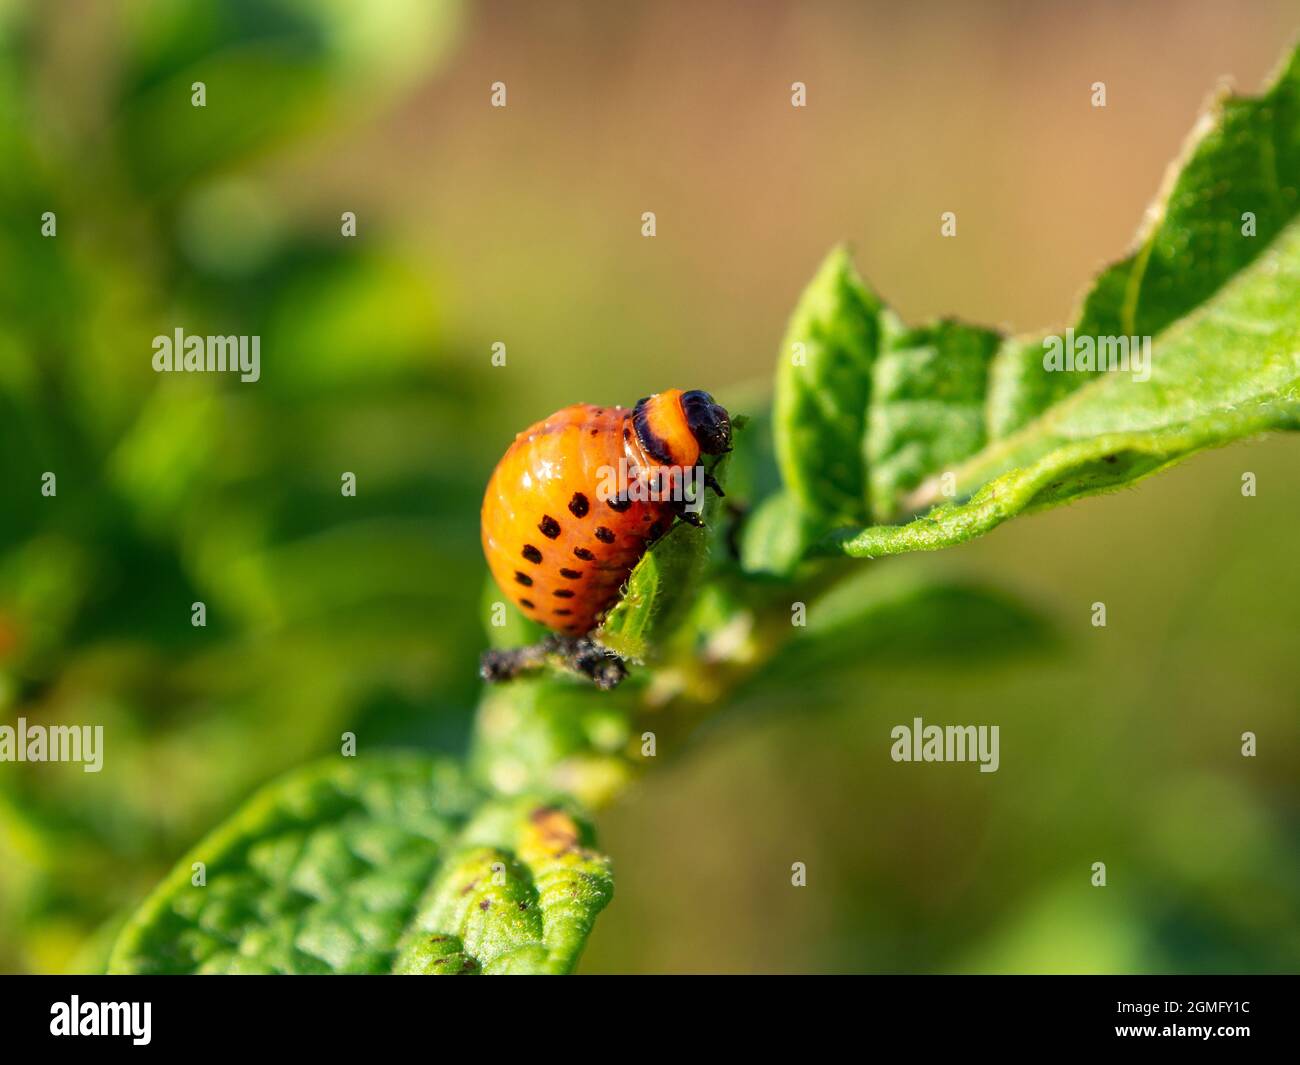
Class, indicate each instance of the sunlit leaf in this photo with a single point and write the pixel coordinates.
(385, 864)
(981, 430)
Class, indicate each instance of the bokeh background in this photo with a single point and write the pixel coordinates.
(522, 225)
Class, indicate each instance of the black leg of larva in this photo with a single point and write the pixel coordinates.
(691, 517)
(710, 482)
(579, 654)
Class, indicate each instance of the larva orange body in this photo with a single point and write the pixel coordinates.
(569, 509)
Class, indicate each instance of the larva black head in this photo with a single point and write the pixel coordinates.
(708, 422)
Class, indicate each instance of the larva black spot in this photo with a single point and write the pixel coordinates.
(604, 535)
(524, 579)
(562, 613)
(562, 593)
(549, 527)
(571, 574)
(531, 553)
(656, 530)
(584, 554)
(619, 504)
(578, 505)
(528, 603)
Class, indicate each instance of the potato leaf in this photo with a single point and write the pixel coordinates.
(1229, 370)
(1225, 201)
(664, 582)
(988, 428)
(776, 536)
(519, 896)
(653, 592)
(823, 385)
(927, 410)
(384, 864)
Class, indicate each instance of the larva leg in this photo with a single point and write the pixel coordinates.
(691, 517)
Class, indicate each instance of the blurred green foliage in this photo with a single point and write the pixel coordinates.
(172, 491)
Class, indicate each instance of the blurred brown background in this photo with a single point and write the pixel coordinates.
(533, 212)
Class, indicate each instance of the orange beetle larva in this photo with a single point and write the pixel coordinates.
(573, 505)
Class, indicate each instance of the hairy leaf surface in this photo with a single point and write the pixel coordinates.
(384, 864)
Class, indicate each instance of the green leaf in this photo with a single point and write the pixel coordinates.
(776, 536)
(663, 584)
(1221, 308)
(823, 385)
(519, 896)
(1243, 156)
(927, 409)
(655, 592)
(865, 408)
(1229, 370)
(390, 863)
